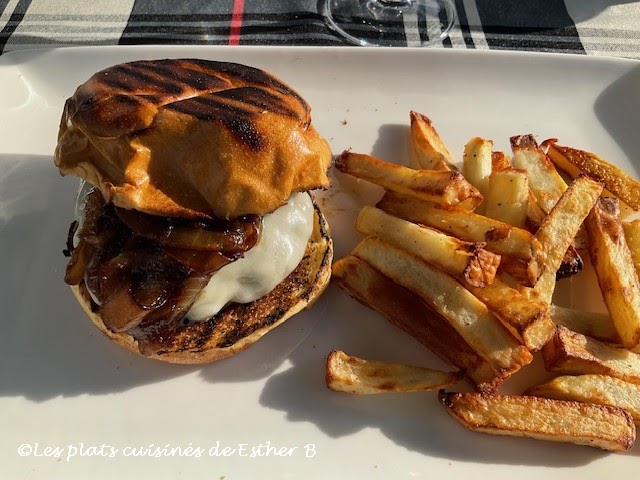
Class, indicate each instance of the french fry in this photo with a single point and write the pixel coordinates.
(473, 266)
(521, 252)
(595, 325)
(572, 261)
(544, 180)
(560, 227)
(468, 315)
(404, 310)
(476, 163)
(572, 353)
(535, 213)
(615, 180)
(600, 426)
(614, 267)
(431, 152)
(443, 187)
(600, 389)
(632, 236)
(507, 198)
(500, 161)
(468, 262)
(349, 374)
(526, 316)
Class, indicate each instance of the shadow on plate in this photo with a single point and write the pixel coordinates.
(617, 109)
(49, 347)
(393, 144)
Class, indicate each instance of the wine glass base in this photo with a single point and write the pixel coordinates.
(391, 23)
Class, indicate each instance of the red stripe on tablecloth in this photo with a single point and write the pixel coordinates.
(236, 22)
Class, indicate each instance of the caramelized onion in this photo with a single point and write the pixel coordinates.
(106, 276)
(120, 312)
(135, 284)
(146, 272)
(78, 263)
(233, 236)
(199, 260)
(70, 234)
(154, 329)
(155, 277)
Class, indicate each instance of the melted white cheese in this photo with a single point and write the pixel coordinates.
(285, 234)
(284, 238)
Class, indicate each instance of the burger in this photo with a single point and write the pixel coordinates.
(196, 232)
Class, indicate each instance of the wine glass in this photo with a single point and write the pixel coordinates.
(391, 22)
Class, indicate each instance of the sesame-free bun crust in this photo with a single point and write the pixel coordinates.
(239, 325)
(191, 138)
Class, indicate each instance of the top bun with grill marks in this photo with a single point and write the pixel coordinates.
(191, 138)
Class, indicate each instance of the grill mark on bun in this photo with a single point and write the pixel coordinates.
(176, 84)
(229, 93)
(133, 80)
(238, 120)
(261, 100)
(196, 79)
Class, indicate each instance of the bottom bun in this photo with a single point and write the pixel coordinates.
(237, 326)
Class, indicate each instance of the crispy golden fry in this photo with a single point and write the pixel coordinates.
(600, 426)
(526, 317)
(468, 262)
(521, 253)
(596, 325)
(431, 152)
(632, 236)
(544, 180)
(500, 161)
(616, 181)
(443, 187)
(545, 183)
(572, 353)
(600, 389)
(349, 374)
(559, 228)
(614, 267)
(468, 315)
(507, 199)
(572, 261)
(476, 163)
(404, 310)
(535, 213)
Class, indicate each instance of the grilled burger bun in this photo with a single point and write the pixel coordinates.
(192, 139)
(197, 167)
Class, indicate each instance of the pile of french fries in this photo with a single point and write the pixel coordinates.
(466, 261)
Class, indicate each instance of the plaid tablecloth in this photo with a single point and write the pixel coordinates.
(594, 27)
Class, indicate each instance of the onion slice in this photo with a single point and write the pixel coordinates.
(233, 236)
(77, 266)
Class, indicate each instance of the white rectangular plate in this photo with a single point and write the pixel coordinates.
(65, 389)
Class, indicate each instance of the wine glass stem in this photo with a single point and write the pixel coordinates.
(391, 3)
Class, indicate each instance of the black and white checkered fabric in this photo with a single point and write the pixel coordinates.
(595, 27)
